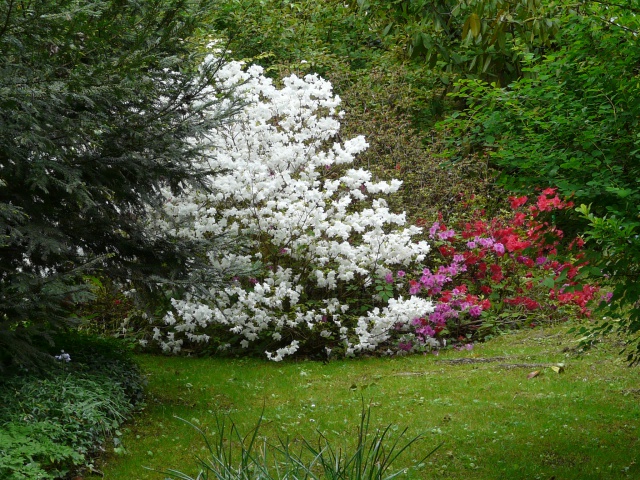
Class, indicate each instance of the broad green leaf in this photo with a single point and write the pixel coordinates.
(548, 282)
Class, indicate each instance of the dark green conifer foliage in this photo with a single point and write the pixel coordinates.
(98, 101)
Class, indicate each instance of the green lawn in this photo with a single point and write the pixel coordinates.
(495, 422)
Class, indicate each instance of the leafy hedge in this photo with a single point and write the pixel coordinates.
(572, 124)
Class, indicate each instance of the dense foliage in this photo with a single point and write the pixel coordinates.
(319, 233)
(481, 38)
(54, 424)
(140, 126)
(328, 258)
(573, 124)
(100, 103)
(134, 166)
(488, 275)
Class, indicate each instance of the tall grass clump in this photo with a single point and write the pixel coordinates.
(234, 456)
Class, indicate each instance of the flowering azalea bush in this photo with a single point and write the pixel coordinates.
(319, 239)
(325, 264)
(491, 274)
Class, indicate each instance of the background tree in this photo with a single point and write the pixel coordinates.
(573, 123)
(100, 102)
(470, 38)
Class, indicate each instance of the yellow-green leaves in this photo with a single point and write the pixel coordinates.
(473, 26)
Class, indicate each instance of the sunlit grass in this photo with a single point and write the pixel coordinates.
(495, 422)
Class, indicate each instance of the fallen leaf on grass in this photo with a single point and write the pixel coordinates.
(533, 374)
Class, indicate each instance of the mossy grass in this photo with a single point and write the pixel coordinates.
(582, 422)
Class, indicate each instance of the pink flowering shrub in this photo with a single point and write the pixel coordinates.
(492, 274)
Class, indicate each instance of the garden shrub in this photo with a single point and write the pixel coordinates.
(492, 273)
(106, 118)
(105, 356)
(55, 422)
(34, 450)
(572, 124)
(476, 38)
(328, 263)
(320, 236)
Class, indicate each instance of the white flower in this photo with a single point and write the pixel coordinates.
(63, 357)
(273, 192)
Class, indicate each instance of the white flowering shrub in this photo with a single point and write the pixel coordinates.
(319, 235)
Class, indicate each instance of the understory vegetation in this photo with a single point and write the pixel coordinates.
(57, 422)
(286, 181)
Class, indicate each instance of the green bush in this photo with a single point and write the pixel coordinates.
(474, 38)
(105, 357)
(116, 92)
(53, 423)
(573, 124)
(24, 446)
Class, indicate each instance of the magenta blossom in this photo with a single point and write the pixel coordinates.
(446, 235)
(475, 311)
(426, 331)
(434, 228)
(485, 242)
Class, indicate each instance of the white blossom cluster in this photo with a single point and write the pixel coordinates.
(315, 224)
(63, 357)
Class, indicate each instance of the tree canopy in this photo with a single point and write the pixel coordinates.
(100, 102)
(572, 122)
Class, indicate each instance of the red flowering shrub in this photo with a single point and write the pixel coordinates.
(502, 272)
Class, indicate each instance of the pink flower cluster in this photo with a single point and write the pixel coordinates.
(491, 263)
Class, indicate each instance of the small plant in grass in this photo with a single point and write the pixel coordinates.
(372, 457)
(233, 456)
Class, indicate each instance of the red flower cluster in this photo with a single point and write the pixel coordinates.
(519, 261)
(549, 201)
(526, 302)
(580, 297)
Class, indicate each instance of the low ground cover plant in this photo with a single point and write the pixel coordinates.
(54, 423)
